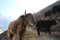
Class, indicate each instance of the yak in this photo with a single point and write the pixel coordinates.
(45, 24)
(18, 27)
(48, 13)
(55, 9)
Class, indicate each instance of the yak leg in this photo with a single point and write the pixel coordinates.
(49, 31)
(19, 35)
(38, 31)
(46, 30)
(9, 35)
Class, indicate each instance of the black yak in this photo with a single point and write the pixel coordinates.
(48, 13)
(46, 24)
(55, 9)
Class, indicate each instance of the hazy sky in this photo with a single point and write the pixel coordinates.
(15, 8)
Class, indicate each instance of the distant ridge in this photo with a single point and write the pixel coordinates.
(40, 13)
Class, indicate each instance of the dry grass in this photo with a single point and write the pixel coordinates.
(32, 35)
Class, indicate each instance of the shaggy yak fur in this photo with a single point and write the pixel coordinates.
(18, 27)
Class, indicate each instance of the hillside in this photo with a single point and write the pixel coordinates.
(31, 34)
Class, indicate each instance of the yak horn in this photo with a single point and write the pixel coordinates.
(25, 12)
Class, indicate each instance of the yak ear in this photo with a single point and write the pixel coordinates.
(25, 12)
